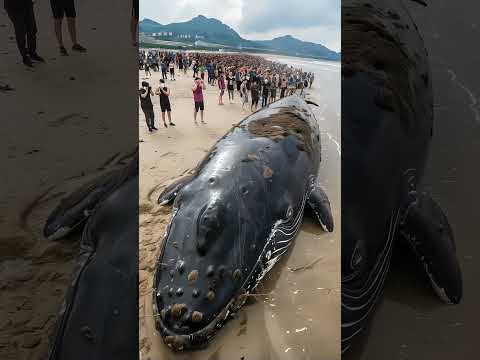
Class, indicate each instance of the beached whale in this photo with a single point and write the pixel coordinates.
(234, 218)
(99, 313)
(387, 126)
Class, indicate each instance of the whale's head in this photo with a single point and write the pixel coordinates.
(208, 252)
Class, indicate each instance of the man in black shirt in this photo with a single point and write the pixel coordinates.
(22, 15)
(147, 106)
(164, 93)
(265, 92)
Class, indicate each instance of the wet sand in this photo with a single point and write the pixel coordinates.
(54, 124)
(300, 317)
(411, 322)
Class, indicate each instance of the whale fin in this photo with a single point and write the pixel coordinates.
(318, 201)
(429, 234)
(171, 191)
(75, 209)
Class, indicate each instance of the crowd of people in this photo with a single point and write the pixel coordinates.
(255, 79)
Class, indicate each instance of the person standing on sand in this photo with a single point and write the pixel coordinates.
(147, 105)
(185, 65)
(273, 90)
(172, 70)
(265, 91)
(221, 86)
(61, 9)
(22, 16)
(244, 92)
(163, 67)
(238, 80)
(230, 87)
(197, 90)
(215, 75)
(312, 77)
(254, 89)
(164, 93)
(147, 69)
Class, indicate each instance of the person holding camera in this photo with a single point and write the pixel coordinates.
(197, 90)
(164, 93)
(147, 105)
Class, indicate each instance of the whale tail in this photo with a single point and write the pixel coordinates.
(429, 234)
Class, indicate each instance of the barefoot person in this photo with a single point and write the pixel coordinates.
(147, 105)
(61, 9)
(22, 16)
(197, 90)
(164, 93)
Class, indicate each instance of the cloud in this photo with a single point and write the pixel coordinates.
(227, 11)
(267, 15)
(310, 20)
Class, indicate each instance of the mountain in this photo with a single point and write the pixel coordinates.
(212, 31)
(289, 44)
(150, 26)
(209, 30)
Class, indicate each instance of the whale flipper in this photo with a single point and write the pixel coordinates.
(428, 232)
(171, 191)
(318, 201)
(75, 209)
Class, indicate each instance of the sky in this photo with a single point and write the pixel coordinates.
(317, 21)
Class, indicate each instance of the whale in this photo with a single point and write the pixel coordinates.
(234, 218)
(387, 129)
(101, 303)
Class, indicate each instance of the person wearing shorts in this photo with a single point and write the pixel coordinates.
(197, 90)
(61, 9)
(230, 87)
(172, 70)
(164, 93)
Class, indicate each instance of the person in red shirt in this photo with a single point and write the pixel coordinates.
(197, 90)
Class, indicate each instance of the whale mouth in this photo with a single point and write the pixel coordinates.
(197, 339)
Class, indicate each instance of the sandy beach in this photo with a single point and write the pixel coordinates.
(54, 129)
(300, 317)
